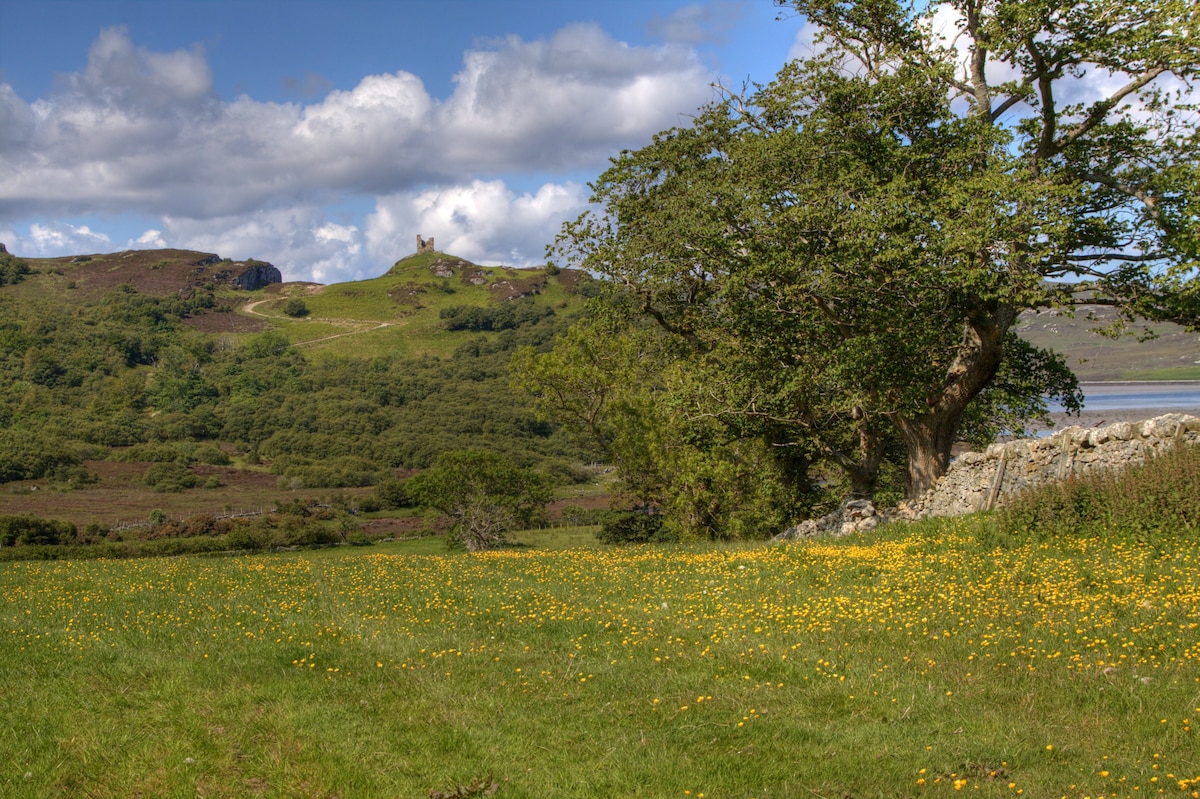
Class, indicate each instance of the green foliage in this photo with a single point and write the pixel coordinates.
(392, 495)
(343, 471)
(485, 495)
(170, 477)
(26, 455)
(32, 531)
(12, 269)
(1154, 500)
(627, 390)
(494, 318)
(635, 527)
(295, 308)
(840, 256)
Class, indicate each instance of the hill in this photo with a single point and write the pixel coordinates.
(113, 363)
(426, 304)
(153, 272)
(1171, 354)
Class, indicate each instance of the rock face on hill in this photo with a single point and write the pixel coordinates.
(256, 275)
(158, 272)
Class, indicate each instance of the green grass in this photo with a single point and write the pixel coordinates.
(892, 665)
(360, 319)
(1177, 373)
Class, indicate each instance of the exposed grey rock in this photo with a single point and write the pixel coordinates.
(855, 515)
(981, 481)
(256, 275)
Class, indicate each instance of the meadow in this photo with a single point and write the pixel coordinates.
(915, 662)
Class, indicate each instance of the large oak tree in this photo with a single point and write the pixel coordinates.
(846, 250)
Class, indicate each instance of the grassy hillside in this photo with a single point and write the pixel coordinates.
(1173, 355)
(401, 311)
(156, 356)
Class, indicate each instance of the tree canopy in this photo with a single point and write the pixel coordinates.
(485, 495)
(841, 255)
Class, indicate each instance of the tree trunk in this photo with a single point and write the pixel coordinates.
(930, 436)
(929, 439)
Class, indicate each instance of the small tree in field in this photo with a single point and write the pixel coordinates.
(484, 494)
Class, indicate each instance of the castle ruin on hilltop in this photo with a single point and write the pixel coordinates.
(423, 245)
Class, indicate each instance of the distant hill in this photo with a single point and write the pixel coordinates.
(183, 358)
(1173, 355)
(153, 272)
(405, 309)
(426, 304)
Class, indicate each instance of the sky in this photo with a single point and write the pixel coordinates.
(325, 136)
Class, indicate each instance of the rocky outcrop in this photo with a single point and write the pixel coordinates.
(255, 275)
(983, 480)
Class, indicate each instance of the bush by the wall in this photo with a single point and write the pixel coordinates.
(635, 527)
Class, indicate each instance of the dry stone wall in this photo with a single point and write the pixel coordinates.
(982, 480)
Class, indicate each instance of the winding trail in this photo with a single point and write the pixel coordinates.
(251, 309)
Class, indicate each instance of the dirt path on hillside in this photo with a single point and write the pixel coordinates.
(250, 309)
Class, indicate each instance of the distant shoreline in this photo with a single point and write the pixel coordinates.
(1101, 390)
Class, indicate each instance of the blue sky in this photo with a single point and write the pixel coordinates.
(323, 136)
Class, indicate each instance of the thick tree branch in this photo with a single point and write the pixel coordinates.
(1100, 109)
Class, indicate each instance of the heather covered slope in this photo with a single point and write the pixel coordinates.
(155, 357)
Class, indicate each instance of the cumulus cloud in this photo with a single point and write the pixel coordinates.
(482, 221)
(566, 102)
(700, 23)
(300, 241)
(53, 239)
(143, 131)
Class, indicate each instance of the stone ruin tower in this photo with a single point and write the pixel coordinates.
(423, 245)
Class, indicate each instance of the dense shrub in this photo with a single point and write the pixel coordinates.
(392, 495)
(295, 307)
(12, 269)
(338, 472)
(30, 456)
(169, 477)
(490, 318)
(635, 527)
(32, 531)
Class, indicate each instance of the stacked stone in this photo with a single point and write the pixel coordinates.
(982, 480)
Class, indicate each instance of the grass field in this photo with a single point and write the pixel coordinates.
(916, 662)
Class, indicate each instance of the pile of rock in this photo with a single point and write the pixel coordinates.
(854, 516)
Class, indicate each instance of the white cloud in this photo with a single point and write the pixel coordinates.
(54, 239)
(139, 131)
(563, 103)
(700, 23)
(483, 221)
(300, 241)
